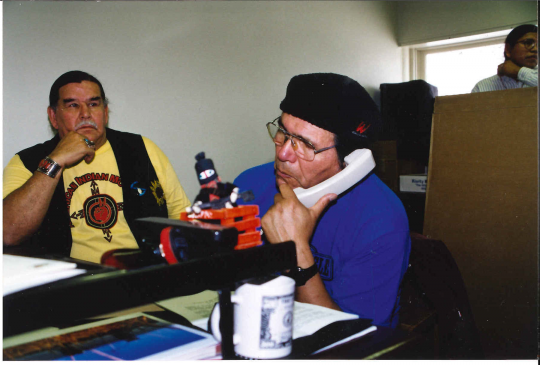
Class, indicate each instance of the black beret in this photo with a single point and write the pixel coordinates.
(335, 103)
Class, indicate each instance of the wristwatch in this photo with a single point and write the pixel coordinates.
(301, 276)
(49, 167)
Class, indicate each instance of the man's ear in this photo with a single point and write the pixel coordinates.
(106, 111)
(507, 50)
(52, 117)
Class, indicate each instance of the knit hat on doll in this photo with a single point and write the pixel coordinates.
(205, 169)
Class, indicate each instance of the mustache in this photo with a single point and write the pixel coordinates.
(85, 123)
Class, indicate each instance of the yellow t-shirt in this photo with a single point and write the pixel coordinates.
(95, 199)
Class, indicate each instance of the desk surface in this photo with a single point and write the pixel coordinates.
(104, 290)
(383, 344)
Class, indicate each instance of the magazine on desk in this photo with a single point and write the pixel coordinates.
(132, 337)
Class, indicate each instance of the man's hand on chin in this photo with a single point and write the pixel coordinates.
(508, 68)
(72, 149)
(290, 220)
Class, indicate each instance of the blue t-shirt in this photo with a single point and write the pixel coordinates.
(361, 244)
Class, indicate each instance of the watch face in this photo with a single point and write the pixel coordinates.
(301, 276)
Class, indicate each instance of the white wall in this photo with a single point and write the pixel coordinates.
(192, 76)
(424, 21)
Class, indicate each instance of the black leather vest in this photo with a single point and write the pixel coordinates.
(134, 165)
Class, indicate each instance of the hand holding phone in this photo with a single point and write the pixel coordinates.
(359, 163)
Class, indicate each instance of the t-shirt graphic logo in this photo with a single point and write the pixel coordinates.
(100, 211)
(325, 264)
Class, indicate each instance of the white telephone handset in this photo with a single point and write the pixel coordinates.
(359, 163)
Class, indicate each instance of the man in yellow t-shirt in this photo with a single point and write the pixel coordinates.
(79, 193)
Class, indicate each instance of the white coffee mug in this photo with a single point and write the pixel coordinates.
(263, 318)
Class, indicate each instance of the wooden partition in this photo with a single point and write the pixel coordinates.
(482, 201)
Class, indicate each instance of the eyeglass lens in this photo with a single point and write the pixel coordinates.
(529, 43)
(301, 149)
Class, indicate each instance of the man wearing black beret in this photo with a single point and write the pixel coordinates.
(352, 249)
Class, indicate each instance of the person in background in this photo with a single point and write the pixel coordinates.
(79, 193)
(353, 249)
(520, 68)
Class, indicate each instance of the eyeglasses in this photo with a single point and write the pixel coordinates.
(302, 147)
(528, 43)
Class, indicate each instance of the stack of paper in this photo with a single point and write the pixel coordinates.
(21, 272)
(309, 319)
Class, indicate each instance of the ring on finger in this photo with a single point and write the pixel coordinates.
(89, 143)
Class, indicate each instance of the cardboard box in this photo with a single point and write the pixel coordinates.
(415, 183)
(386, 164)
(409, 167)
(384, 150)
(387, 171)
(482, 202)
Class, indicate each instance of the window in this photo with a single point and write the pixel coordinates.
(455, 66)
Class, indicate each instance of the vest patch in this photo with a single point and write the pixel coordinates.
(157, 190)
(100, 211)
(325, 264)
(136, 190)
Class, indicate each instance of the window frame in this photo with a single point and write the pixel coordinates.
(418, 53)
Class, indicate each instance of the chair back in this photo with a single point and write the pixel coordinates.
(433, 281)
